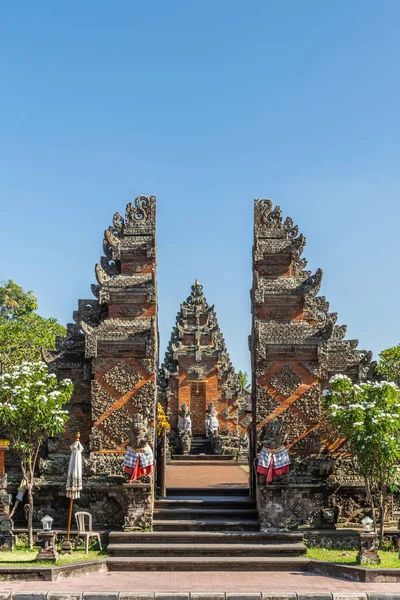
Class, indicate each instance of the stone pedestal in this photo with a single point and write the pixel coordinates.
(139, 500)
(368, 553)
(66, 547)
(48, 549)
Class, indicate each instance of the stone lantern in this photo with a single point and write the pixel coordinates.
(47, 540)
(368, 552)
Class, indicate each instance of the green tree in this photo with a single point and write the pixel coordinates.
(244, 381)
(389, 364)
(23, 333)
(368, 414)
(31, 401)
(14, 302)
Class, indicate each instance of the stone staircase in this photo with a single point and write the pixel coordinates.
(201, 450)
(200, 445)
(206, 530)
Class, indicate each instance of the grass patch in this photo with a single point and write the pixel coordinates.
(22, 556)
(389, 560)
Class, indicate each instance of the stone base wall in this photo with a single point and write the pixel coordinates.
(325, 505)
(103, 497)
(294, 505)
(139, 499)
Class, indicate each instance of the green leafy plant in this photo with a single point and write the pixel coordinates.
(389, 364)
(31, 408)
(244, 381)
(368, 415)
(23, 333)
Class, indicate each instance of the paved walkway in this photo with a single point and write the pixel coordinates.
(201, 581)
(206, 476)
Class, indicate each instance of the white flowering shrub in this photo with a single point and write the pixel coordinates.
(31, 409)
(368, 415)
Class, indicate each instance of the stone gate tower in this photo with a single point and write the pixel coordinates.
(296, 347)
(111, 355)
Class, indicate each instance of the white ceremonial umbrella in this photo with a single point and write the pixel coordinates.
(74, 477)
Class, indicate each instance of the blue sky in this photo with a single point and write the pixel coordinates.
(206, 105)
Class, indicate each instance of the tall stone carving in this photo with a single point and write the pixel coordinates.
(111, 354)
(296, 346)
(197, 371)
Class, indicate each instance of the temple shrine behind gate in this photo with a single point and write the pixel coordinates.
(197, 371)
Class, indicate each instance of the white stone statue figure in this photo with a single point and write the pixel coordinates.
(185, 429)
(212, 424)
(184, 421)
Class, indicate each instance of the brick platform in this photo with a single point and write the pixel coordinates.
(206, 476)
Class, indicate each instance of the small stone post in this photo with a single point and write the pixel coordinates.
(368, 552)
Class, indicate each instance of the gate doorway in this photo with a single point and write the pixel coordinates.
(198, 407)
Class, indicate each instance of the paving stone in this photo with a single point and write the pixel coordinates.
(64, 596)
(350, 596)
(314, 596)
(207, 596)
(136, 596)
(171, 596)
(29, 596)
(100, 595)
(377, 596)
(279, 596)
(236, 596)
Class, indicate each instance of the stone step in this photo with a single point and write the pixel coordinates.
(208, 458)
(196, 503)
(211, 491)
(205, 525)
(225, 513)
(203, 537)
(208, 563)
(166, 550)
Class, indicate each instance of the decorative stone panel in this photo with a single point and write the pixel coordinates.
(285, 380)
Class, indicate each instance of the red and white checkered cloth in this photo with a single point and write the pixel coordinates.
(138, 463)
(273, 462)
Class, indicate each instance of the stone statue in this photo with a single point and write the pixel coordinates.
(138, 433)
(138, 459)
(273, 459)
(185, 429)
(272, 434)
(212, 426)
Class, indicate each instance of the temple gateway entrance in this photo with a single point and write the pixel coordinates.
(198, 406)
(111, 354)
